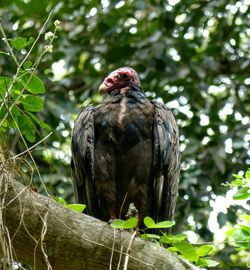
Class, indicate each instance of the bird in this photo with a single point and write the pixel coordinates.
(126, 151)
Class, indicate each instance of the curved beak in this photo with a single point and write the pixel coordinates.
(103, 88)
(108, 84)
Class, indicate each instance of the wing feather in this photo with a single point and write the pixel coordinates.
(166, 163)
(82, 148)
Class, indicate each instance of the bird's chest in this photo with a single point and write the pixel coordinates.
(125, 122)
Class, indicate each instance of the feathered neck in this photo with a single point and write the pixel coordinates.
(133, 90)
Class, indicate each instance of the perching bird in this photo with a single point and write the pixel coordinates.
(126, 150)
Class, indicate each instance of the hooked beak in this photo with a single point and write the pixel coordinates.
(107, 85)
(103, 88)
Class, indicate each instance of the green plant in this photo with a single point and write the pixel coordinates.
(200, 255)
(21, 94)
(76, 207)
(240, 233)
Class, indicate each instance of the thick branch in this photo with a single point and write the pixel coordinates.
(44, 234)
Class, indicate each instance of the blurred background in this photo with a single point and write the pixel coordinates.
(191, 55)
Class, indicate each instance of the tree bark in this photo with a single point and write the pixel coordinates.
(46, 235)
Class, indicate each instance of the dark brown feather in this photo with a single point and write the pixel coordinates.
(167, 163)
(82, 162)
(126, 151)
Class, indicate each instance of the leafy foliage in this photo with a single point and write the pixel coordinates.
(243, 184)
(240, 233)
(17, 106)
(150, 224)
(177, 243)
(124, 224)
(192, 55)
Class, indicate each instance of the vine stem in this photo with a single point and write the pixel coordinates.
(8, 45)
(125, 266)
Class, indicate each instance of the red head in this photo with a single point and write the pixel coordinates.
(121, 79)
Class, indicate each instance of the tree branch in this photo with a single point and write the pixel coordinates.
(45, 235)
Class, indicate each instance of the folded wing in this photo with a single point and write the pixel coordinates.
(166, 163)
(82, 148)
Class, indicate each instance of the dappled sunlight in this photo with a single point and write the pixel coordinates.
(193, 56)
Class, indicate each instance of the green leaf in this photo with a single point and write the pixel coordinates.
(245, 228)
(16, 89)
(187, 250)
(124, 224)
(38, 121)
(5, 124)
(18, 43)
(15, 110)
(246, 217)
(230, 232)
(32, 84)
(167, 239)
(48, 72)
(147, 236)
(164, 224)
(172, 249)
(236, 176)
(12, 119)
(117, 224)
(248, 264)
(242, 194)
(76, 207)
(31, 103)
(30, 137)
(29, 42)
(27, 127)
(201, 263)
(27, 64)
(242, 237)
(3, 112)
(204, 250)
(4, 85)
(149, 222)
(60, 200)
(247, 174)
(130, 223)
(211, 263)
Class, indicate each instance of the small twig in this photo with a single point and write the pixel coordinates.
(43, 233)
(13, 199)
(14, 142)
(125, 266)
(124, 200)
(39, 34)
(33, 146)
(8, 45)
(121, 252)
(222, 242)
(112, 252)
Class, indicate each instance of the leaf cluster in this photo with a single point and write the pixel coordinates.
(176, 243)
(240, 233)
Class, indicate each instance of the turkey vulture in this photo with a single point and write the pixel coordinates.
(126, 150)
